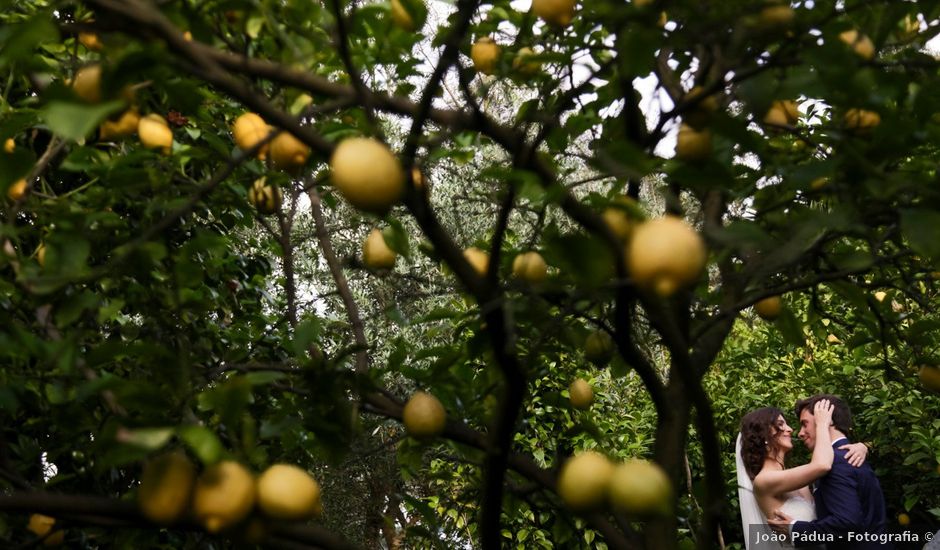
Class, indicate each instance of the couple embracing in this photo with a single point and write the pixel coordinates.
(833, 502)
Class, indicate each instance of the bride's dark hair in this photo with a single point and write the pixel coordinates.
(758, 429)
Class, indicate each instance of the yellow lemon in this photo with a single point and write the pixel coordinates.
(154, 133)
(580, 394)
(87, 83)
(782, 113)
(17, 190)
(664, 255)
(776, 16)
(401, 17)
(860, 44)
(223, 496)
(641, 488)
(478, 259)
(861, 121)
(376, 253)
(126, 125)
(584, 480)
(266, 198)
(692, 144)
(555, 12)
(367, 174)
(930, 377)
(485, 54)
(424, 416)
(165, 487)
(41, 525)
(9, 145)
(248, 130)
(529, 267)
(287, 152)
(90, 40)
(524, 64)
(288, 492)
(769, 308)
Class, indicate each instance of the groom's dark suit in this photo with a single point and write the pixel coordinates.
(848, 499)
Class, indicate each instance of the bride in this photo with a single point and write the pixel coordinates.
(766, 485)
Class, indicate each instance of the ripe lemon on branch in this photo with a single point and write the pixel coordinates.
(248, 130)
(769, 308)
(693, 145)
(584, 480)
(41, 525)
(424, 416)
(165, 487)
(580, 394)
(287, 152)
(87, 83)
(223, 496)
(288, 492)
(930, 377)
(555, 12)
(641, 488)
(125, 125)
(485, 54)
(367, 174)
(266, 198)
(478, 259)
(376, 254)
(155, 133)
(665, 254)
(529, 267)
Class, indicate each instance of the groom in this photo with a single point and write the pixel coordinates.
(850, 508)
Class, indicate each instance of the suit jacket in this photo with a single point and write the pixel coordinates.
(848, 500)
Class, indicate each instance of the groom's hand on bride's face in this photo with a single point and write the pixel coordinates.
(780, 522)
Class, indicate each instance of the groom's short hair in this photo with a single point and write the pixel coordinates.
(841, 414)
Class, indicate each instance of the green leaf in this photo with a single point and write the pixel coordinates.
(19, 42)
(150, 439)
(790, 328)
(396, 237)
(919, 225)
(203, 442)
(75, 121)
(66, 254)
(306, 334)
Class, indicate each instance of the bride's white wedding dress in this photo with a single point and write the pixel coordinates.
(757, 534)
(799, 508)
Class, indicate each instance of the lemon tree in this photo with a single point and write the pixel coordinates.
(238, 237)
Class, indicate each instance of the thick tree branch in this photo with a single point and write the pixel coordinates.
(107, 512)
(342, 285)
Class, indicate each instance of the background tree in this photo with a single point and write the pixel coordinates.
(202, 287)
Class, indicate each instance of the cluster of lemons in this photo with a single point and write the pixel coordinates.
(694, 141)
(640, 488)
(225, 494)
(153, 130)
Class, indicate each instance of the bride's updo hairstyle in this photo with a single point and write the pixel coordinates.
(758, 429)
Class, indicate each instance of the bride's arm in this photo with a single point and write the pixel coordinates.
(791, 479)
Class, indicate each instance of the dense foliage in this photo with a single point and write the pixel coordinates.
(157, 296)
